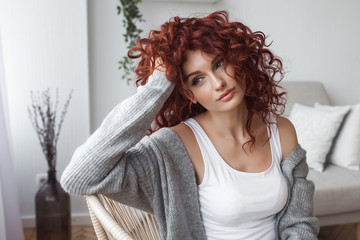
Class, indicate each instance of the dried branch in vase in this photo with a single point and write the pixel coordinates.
(43, 114)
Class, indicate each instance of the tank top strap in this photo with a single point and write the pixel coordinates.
(207, 148)
(275, 137)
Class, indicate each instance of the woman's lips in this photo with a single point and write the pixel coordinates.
(226, 96)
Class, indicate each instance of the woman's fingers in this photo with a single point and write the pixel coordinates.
(159, 65)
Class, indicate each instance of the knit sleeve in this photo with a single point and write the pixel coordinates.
(101, 164)
(296, 221)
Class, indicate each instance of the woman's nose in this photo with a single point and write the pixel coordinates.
(219, 83)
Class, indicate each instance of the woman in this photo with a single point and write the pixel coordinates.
(218, 162)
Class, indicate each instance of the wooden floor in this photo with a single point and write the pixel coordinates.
(338, 232)
(77, 233)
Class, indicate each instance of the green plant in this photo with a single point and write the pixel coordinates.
(132, 16)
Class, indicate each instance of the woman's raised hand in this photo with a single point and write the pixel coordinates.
(159, 65)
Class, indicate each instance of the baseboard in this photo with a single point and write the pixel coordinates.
(76, 220)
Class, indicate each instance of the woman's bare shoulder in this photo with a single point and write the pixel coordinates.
(189, 140)
(182, 130)
(186, 135)
(288, 138)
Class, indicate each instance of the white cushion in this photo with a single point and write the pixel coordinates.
(315, 129)
(346, 149)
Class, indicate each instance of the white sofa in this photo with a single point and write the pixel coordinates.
(337, 190)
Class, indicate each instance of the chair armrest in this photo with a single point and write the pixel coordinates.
(103, 221)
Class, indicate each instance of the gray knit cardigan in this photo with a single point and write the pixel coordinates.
(155, 174)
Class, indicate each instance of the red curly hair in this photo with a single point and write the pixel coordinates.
(254, 64)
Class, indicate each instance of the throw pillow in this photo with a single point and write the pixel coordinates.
(315, 129)
(345, 151)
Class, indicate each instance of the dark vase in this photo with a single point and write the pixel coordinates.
(52, 211)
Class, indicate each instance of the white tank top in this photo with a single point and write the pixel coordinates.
(236, 204)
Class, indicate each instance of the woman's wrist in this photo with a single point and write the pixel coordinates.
(159, 81)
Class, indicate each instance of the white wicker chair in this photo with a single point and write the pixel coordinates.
(113, 220)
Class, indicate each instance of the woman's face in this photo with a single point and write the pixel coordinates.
(213, 87)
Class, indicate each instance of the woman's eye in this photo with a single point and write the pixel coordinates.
(219, 64)
(196, 81)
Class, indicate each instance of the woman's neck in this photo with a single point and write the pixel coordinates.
(229, 124)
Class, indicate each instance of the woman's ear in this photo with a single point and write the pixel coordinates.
(190, 96)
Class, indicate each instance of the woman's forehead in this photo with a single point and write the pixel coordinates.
(196, 58)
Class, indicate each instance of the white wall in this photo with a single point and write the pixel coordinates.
(106, 46)
(44, 45)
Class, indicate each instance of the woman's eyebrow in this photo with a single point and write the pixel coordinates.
(193, 73)
(215, 58)
(197, 72)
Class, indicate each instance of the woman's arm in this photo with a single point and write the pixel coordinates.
(288, 137)
(296, 220)
(100, 164)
